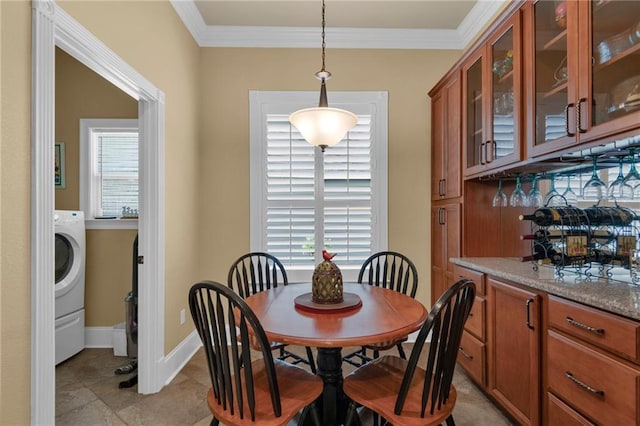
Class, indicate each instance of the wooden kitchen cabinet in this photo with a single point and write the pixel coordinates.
(445, 243)
(513, 349)
(491, 98)
(445, 138)
(472, 353)
(582, 68)
(592, 365)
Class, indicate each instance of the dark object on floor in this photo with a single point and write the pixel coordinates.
(131, 325)
(425, 395)
(394, 271)
(255, 272)
(246, 386)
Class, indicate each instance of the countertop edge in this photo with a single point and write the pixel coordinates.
(609, 295)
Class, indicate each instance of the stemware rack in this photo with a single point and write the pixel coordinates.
(592, 242)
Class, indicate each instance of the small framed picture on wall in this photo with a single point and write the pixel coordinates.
(59, 165)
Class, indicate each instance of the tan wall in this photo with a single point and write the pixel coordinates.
(164, 52)
(81, 93)
(227, 77)
(15, 314)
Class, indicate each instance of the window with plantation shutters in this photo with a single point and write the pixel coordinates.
(109, 168)
(304, 201)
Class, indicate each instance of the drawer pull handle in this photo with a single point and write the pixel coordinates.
(583, 385)
(464, 354)
(599, 331)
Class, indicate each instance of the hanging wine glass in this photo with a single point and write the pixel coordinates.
(595, 189)
(553, 197)
(500, 198)
(534, 197)
(619, 189)
(518, 198)
(569, 194)
(633, 177)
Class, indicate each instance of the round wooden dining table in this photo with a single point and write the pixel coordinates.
(383, 315)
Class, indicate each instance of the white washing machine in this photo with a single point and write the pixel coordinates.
(69, 282)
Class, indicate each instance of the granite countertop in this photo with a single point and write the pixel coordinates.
(608, 294)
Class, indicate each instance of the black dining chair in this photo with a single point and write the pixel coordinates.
(401, 391)
(394, 271)
(257, 271)
(247, 386)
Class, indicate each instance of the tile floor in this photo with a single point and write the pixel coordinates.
(87, 393)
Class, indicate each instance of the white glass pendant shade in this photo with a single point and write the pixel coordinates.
(323, 126)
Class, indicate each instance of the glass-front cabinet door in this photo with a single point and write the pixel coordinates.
(582, 70)
(610, 99)
(491, 99)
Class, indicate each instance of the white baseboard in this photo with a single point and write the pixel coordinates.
(180, 356)
(98, 337)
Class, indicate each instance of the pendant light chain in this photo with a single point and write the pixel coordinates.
(323, 42)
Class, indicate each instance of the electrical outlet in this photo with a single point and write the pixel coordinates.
(183, 316)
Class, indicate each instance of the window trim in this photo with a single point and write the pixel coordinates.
(87, 126)
(262, 103)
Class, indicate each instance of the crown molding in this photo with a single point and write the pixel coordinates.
(339, 38)
(478, 17)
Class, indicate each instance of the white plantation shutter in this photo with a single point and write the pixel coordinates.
(293, 199)
(115, 176)
(290, 214)
(347, 195)
(109, 168)
(301, 196)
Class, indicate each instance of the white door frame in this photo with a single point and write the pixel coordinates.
(51, 27)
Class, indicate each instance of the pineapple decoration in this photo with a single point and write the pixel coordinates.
(327, 281)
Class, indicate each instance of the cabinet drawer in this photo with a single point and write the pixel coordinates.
(475, 322)
(471, 357)
(560, 414)
(470, 274)
(597, 385)
(608, 331)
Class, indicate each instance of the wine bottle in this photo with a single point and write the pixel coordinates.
(557, 216)
(609, 216)
(599, 236)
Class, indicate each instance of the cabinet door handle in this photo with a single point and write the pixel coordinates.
(566, 118)
(583, 385)
(465, 354)
(440, 216)
(528, 305)
(444, 187)
(487, 150)
(582, 326)
(482, 153)
(579, 116)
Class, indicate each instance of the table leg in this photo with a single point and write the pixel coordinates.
(333, 402)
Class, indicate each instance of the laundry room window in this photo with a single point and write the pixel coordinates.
(300, 196)
(109, 190)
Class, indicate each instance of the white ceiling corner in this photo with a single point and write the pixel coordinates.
(346, 38)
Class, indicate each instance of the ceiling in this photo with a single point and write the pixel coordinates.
(399, 24)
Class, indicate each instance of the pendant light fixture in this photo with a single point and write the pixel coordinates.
(323, 126)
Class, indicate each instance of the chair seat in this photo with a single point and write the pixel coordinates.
(298, 388)
(387, 344)
(376, 386)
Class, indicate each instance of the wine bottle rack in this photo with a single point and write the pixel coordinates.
(596, 242)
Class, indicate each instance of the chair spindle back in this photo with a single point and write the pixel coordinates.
(445, 322)
(232, 374)
(255, 272)
(392, 270)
